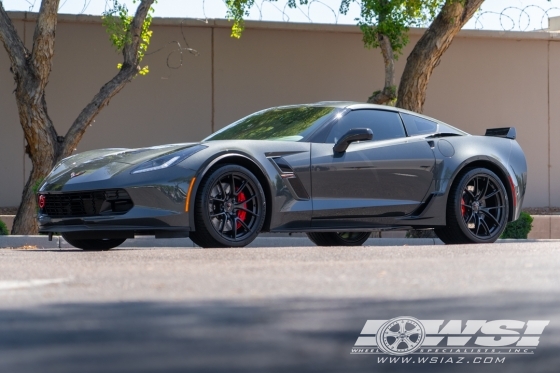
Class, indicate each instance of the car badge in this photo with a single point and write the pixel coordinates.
(75, 174)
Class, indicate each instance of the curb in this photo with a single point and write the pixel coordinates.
(42, 242)
(544, 227)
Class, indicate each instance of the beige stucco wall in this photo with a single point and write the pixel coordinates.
(486, 79)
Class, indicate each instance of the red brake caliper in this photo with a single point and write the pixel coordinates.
(463, 208)
(240, 213)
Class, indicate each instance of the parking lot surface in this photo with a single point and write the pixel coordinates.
(296, 309)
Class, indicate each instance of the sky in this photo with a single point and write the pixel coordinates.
(518, 15)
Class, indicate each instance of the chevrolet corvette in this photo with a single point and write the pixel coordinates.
(334, 170)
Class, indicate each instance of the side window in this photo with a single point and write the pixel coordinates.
(448, 129)
(385, 125)
(418, 126)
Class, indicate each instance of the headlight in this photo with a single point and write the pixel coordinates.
(167, 160)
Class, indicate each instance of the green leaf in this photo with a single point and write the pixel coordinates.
(117, 22)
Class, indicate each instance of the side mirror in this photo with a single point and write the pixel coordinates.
(355, 134)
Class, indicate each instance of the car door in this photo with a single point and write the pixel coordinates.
(387, 176)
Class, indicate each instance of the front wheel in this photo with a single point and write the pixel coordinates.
(477, 209)
(338, 238)
(99, 244)
(230, 208)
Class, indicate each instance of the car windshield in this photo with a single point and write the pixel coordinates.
(285, 123)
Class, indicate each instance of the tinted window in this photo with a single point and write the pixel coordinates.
(287, 124)
(385, 125)
(418, 126)
(443, 128)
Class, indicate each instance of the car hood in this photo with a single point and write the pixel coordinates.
(104, 163)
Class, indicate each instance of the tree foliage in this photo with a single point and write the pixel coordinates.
(237, 10)
(388, 17)
(391, 18)
(117, 21)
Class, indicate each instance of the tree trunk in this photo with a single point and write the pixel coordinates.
(31, 72)
(388, 93)
(427, 52)
(42, 148)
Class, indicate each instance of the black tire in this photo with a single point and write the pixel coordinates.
(101, 244)
(477, 208)
(226, 219)
(338, 238)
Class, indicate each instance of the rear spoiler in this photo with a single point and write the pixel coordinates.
(506, 132)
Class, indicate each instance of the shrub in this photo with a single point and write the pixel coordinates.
(519, 228)
(3, 229)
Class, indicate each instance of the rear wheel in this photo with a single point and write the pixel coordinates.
(230, 208)
(477, 209)
(338, 238)
(100, 244)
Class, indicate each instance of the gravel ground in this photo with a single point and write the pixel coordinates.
(8, 210)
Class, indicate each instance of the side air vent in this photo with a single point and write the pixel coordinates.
(298, 188)
(287, 173)
(283, 165)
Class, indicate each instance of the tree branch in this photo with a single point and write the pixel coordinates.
(388, 59)
(427, 52)
(388, 93)
(12, 43)
(130, 51)
(128, 71)
(43, 41)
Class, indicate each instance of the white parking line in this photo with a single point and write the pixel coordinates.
(18, 284)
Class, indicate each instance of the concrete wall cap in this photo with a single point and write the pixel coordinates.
(290, 26)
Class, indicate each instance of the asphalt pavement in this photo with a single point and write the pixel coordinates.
(274, 309)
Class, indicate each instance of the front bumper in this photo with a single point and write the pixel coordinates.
(138, 221)
(156, 211)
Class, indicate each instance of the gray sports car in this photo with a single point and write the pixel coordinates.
(335, 170)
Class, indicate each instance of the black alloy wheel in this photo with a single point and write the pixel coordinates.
(338, 238)
(99, 244)
(477, 210)
(229, 208)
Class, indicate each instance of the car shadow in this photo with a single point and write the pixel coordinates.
(281, 335)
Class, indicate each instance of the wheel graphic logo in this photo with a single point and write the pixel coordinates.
(401, 336)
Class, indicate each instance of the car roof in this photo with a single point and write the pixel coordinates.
(354, 105)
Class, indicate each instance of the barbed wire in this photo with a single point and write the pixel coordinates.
(511, 18)
(31, 4)
(514, 18)
(284, 10)
(62, 4)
